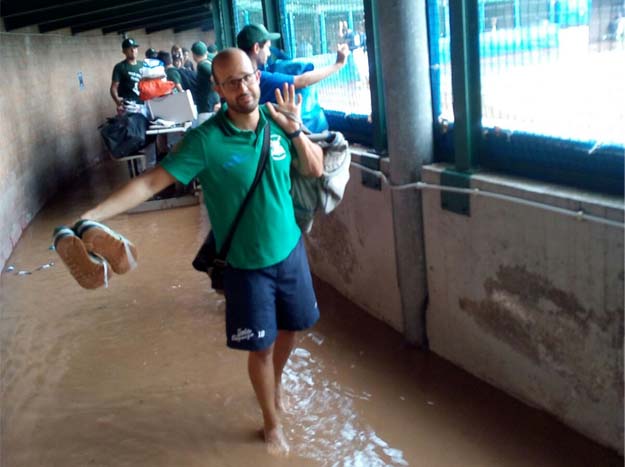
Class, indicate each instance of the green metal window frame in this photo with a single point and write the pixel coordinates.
(469, 146)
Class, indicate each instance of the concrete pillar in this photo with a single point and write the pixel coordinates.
(403, 33)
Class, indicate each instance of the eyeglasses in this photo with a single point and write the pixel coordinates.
(233, 84)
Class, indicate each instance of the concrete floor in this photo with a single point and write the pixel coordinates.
(138, 374)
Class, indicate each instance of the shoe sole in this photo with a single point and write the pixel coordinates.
(89, 271)
(120, 253)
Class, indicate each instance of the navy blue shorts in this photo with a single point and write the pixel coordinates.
(259, 302)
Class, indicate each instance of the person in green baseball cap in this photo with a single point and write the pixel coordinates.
(255, 40)
(212, 51)
(126, 76)
(208, 99)
(255, 34)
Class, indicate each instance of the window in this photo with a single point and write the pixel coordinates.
(551, 88)
(440, 60)
(247, 12)
(313, 32)
(548, 67)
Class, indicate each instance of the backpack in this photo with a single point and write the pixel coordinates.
(188, 80)
(326, 192)
(124, 134)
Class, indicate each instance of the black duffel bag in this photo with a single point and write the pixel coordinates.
(124, 134)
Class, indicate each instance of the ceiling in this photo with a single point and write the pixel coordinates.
(109, 16)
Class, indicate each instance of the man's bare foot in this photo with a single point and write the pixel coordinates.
(276, 442)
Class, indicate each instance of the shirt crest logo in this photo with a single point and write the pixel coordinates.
(277, 151)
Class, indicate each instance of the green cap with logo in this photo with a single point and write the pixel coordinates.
(254, 33)
(130, 42)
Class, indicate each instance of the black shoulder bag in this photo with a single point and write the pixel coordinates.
(207, 259)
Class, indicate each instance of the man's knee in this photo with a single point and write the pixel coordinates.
(286, 338)
(263, 354)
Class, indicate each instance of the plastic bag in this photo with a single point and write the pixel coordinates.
(151, 88)
(152, 68)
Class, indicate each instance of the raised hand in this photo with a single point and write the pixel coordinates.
(289, 103)
(341, 53)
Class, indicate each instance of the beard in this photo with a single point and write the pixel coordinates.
(244, 103)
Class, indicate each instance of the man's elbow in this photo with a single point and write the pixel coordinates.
(300, 82)
(155, 180)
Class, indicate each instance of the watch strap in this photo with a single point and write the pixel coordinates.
(295, 134)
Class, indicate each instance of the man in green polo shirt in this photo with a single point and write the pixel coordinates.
(126, 76)
(208, 99)
(171, 71)
(267, 283)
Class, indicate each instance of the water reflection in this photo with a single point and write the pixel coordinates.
(324, 424)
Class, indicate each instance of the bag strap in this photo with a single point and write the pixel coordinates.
(225, 248)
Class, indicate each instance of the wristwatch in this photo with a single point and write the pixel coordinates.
(295, 134)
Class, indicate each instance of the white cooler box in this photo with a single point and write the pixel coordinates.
(177, 107)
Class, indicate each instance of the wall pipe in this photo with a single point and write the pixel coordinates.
(579, 214)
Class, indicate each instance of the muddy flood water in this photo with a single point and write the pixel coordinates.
(138, 374)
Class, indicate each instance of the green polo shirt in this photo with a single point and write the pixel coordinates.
(128, 77)
(225, 159)
(173, 75)
(207, 97)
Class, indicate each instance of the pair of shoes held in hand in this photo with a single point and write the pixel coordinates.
(90, 250)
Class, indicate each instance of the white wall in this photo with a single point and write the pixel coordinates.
(530, 300)
(353, 250)
(526, 299)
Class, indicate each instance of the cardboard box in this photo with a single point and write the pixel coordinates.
(177, 107)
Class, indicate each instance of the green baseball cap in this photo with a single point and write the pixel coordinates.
(130, 42)
(254, 33)
(199, 48)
